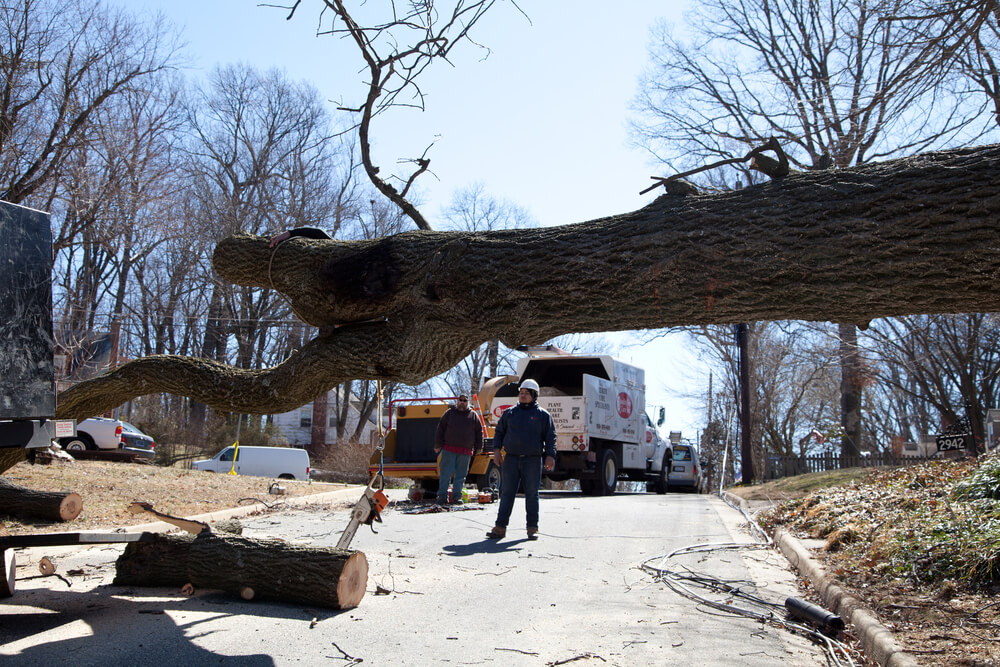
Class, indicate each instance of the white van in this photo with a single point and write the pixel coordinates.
(280, 462)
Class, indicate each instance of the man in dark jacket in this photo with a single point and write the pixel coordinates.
(526, 433)
(459, 434)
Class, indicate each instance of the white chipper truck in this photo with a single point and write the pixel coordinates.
(598, 404)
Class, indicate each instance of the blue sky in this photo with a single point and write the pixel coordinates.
(541, 122)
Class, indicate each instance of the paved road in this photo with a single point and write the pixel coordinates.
(454, 598)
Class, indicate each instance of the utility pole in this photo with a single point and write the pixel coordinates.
(746, 454)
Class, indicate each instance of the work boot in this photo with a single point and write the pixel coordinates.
(497, 533)
(458, 502)
(532, 533)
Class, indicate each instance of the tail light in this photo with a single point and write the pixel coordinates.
(152, 445)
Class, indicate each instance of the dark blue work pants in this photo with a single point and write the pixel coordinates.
(518, 471)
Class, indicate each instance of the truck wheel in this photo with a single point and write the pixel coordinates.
(77, 444)
(608, 472)
(662, 479)
(491, 479)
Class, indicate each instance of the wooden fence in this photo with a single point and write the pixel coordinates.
(788, 466)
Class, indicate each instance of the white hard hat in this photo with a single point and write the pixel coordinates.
(529, 384)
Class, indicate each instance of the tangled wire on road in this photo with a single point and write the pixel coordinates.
(687, 582)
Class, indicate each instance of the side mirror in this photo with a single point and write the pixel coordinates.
(663, 416)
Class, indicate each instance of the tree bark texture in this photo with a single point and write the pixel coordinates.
(11, 456)
(24, 503)
(915, 235)
(273, 569)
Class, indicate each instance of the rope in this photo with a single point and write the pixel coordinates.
(381, 434)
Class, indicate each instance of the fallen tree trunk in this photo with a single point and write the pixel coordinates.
(902, 237)
(24, 503)
(252, 568)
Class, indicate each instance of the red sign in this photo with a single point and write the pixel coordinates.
(498, 410)
(624, 405)
(649, 436)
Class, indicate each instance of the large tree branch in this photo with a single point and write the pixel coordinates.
(908, 236)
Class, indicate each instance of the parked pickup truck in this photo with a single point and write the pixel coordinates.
(94, 433)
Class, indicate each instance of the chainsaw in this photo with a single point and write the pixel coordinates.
(366, 511)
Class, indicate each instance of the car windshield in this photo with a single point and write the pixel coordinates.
(682, 453)
(129, 427)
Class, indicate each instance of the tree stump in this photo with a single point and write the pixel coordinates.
(25, 503)
(273, 569)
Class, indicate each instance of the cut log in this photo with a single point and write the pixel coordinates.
(273, 569)
(24, 503)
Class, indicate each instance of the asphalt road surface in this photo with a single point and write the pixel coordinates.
(439, 593)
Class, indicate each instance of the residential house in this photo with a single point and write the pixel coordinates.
(296, 426)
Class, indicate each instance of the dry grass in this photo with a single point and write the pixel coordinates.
(922, 556)
(109, 488)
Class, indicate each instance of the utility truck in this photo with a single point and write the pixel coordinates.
(598, 405)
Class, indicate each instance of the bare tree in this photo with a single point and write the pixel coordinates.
(785, 250)
(836, 83)
(932, 365)
(396, 46)
(792, 380)
(263, 160)
(60, 62)
(961, 38)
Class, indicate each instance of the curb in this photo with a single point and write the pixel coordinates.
(876, 639)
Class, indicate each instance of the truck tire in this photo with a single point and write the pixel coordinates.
(607, 473)
(662, 483)
(80, 443)
(490, 479)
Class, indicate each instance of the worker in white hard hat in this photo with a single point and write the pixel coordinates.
(527, 436)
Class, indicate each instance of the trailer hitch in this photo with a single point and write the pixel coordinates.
(8, 543)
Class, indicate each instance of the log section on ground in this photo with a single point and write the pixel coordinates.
(272, 569)
(24, 503)
(914, 235)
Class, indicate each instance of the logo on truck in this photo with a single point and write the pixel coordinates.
(624, 405)
(498, 410)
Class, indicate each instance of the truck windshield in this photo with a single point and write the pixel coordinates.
(681, 453)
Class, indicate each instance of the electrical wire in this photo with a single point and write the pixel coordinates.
(687, 582)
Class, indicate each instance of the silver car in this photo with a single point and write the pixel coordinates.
(134, 440)
(685, 470)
